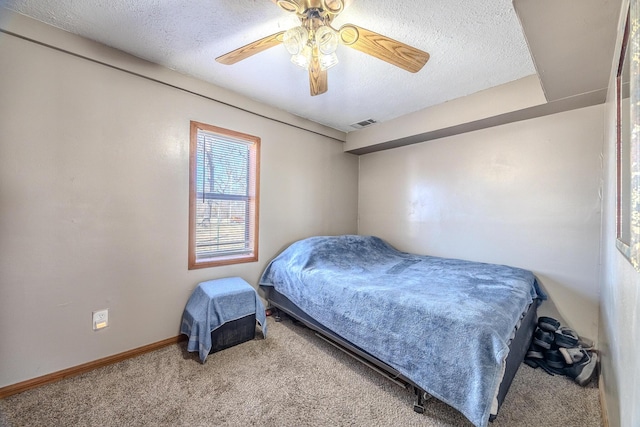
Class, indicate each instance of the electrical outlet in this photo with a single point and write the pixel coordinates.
(100, 319)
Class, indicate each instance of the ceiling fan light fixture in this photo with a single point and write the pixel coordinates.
(295, 39)
(328, 61)
(303, 59)
(326, 40)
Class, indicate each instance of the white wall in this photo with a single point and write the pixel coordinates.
(523, 194)
(620, 289)
(94, 200)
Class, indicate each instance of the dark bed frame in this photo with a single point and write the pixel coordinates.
(518, 347)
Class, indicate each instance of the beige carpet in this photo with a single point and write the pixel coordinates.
(290, 379)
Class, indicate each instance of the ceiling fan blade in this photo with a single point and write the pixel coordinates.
(317, 78)
(382, 47)
(251, 49)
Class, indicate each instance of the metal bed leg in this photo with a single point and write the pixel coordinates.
(421, 398)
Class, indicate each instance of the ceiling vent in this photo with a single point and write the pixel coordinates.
(363, 124)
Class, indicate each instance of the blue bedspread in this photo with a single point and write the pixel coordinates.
(443, 323)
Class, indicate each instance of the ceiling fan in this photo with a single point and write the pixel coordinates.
(313, 44)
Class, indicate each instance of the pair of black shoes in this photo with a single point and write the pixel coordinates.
(560, 351)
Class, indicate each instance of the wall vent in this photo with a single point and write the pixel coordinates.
(363, 124)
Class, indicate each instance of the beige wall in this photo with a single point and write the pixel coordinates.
(523, 194)
(94, 200)
(620, 290)
(516, 95)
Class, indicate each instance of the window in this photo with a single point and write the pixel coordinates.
(223, 196)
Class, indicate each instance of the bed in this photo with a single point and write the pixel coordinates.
(453, 329)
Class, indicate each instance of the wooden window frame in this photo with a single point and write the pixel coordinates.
(254, 197)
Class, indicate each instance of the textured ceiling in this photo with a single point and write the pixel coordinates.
(473, 45)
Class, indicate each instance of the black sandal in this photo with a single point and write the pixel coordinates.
(548, 324)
